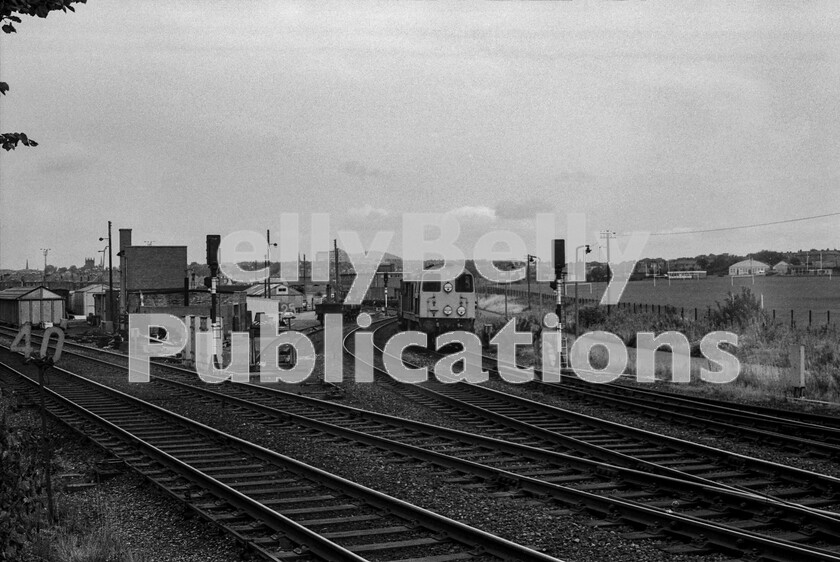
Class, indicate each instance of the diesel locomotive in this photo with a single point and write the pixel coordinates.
(435, 307)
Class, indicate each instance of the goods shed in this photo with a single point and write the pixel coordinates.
(30, 304)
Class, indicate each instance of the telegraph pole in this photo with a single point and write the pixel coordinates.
(577, 282)
(305, 291)
(111, 307)
(337, 274)
(528, 259)
(268, 263)
(608, 235)
(46, 251)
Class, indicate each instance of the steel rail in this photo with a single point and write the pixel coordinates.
(797, 431)
(516, 409)
(474, 538)
(726, 541)
(727, 537)
(737, 424)
(277, 522)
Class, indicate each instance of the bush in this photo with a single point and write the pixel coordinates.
(738, 311)
(21, 482)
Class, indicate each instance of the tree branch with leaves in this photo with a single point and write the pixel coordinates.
(9, 15)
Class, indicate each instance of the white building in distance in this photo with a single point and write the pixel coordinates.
(749, 267)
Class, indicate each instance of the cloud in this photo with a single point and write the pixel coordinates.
(521, 209)
(368, 211)
(357, 169)
(575, 177)
(470, 213)
(368, 219)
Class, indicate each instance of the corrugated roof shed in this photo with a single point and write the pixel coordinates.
(750, 263)
(29, 294)
(96, 288)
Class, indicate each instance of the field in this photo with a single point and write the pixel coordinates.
(782, 294)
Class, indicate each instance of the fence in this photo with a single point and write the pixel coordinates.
(795, 317)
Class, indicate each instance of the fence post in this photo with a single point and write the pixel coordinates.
(795, 378)
(791, 318)
(809, 317)
(827, 317)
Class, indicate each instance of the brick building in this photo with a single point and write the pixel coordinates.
(149, 269)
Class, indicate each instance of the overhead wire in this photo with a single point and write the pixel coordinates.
(740, 227)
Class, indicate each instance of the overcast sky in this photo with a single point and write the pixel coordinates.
(179, 119)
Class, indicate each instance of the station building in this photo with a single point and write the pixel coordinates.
(748, 267)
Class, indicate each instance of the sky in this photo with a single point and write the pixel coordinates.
(181, 119)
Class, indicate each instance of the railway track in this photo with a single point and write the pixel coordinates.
(812, 418)
(278, 507)
(804, 433)
(707, 517)
(803, 438)
(515, 418)
(622, 496)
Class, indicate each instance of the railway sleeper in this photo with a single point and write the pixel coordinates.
(257, 483)
(687, 549)
(256, 493)
(299, 500)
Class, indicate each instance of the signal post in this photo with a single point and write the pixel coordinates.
(559, 257)
(213, 243)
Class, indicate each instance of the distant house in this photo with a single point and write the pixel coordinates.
(684, 264)
(83, 301)
(782, 268)
(277, 291)
(749, 267)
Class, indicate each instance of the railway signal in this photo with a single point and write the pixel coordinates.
(586, 250)
(559, 256)
(213, 243)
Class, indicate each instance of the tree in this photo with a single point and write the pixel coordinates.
(599, 273)
(719, 264)
(8, 17)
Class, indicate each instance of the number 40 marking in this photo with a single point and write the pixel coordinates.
(25, 334)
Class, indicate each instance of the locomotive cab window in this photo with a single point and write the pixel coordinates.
(464, 283)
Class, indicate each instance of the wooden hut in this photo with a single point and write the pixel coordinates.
(30, 304)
